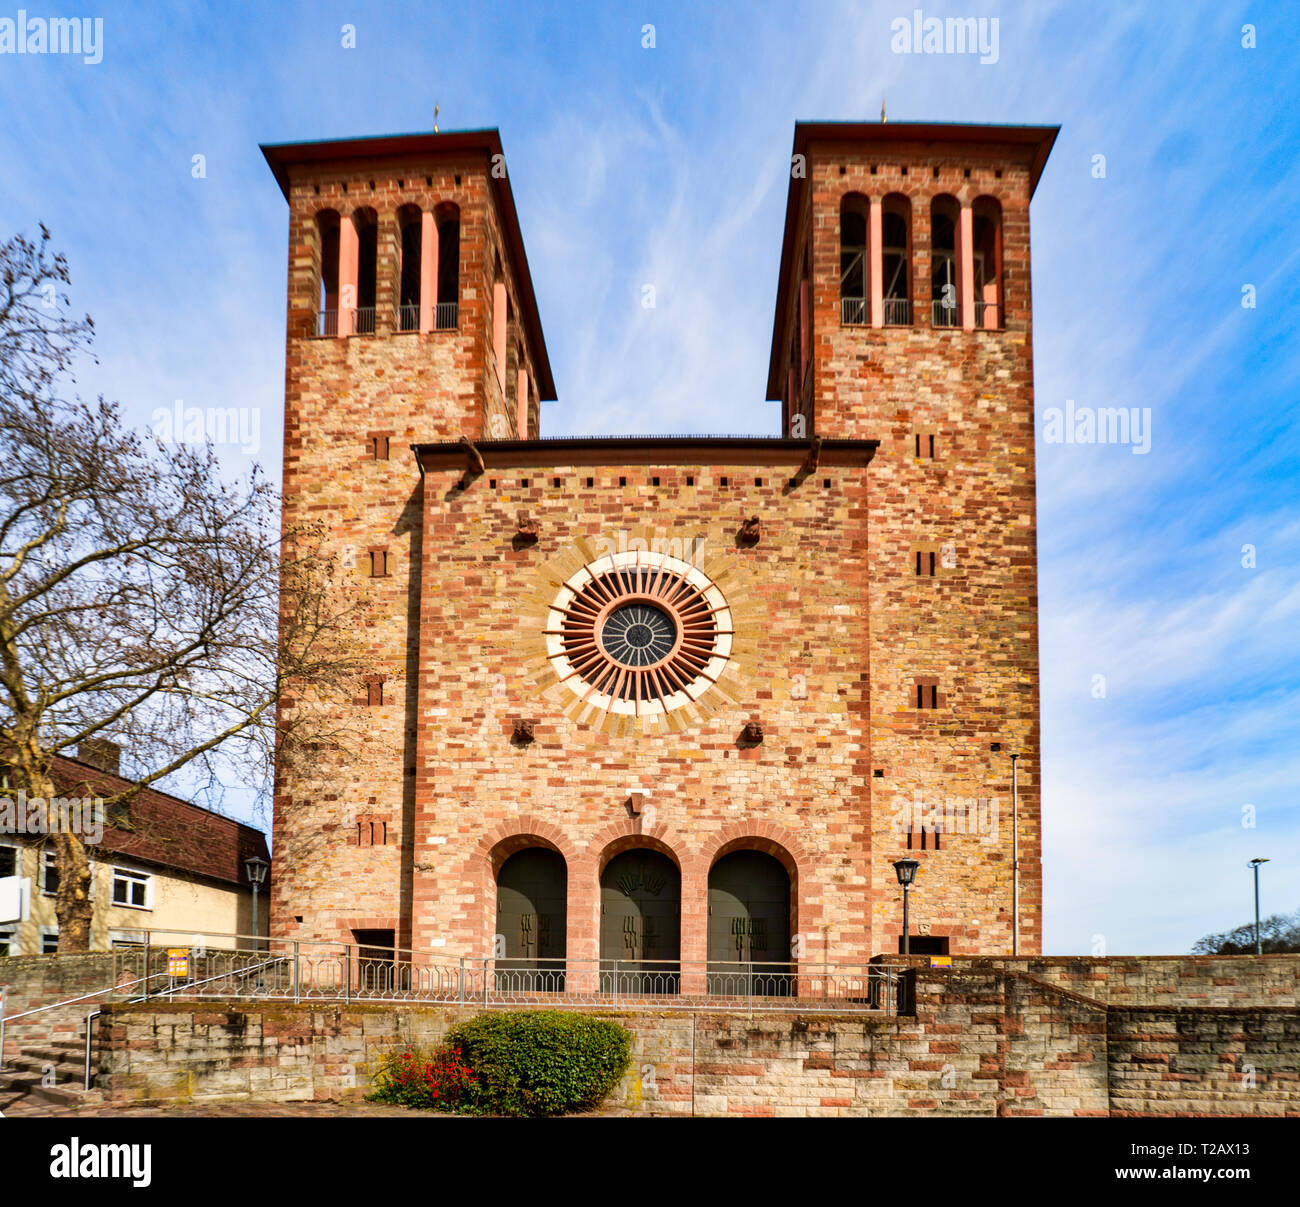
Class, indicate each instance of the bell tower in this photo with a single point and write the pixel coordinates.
(411, 318)
(903, 316)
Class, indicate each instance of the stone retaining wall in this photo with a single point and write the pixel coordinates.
(32, 981)
(983, 1040)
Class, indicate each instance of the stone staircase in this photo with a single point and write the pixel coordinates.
(45, 1077)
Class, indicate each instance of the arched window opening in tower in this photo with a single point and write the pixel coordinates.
(408, 294)
(447, 217)
(896, 255)
(367, 224)
(987, 250)
(853, 259)
(327, 293)
(945, 298)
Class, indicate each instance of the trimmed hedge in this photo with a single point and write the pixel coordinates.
(539, 1062)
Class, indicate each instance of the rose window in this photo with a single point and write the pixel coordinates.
(639, 633)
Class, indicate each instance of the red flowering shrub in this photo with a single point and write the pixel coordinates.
(430, 1080)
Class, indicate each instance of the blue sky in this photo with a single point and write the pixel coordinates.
(667, 166)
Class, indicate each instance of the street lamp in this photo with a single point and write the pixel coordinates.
(1254, 863)
(906, 869)
(256, 867)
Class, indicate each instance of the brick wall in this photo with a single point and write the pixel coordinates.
(801, 794)
(972, 628)
(339, 392)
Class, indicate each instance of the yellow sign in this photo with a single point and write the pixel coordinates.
(178, 961)
(941, 961)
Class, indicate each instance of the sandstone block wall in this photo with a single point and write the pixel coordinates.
(981, 1042)
(30, 982)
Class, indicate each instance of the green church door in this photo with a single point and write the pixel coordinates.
(641, 924)
(532, 912)
(749, 926)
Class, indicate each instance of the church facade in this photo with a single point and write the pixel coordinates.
(672, 700)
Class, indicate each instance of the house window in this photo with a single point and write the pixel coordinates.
(49, 940)
(8, 941)
(377, 446)
(131, 888)
(8, 862)
(926, 563)
(49, 872)
(374, 691)
(379, 563)
(925, 444)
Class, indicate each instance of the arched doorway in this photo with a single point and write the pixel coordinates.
(749, 926)
(641, 924)
(532, 915)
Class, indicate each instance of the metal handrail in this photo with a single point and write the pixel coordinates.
(221, 976)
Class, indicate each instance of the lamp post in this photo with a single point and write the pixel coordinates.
(1254, 863)
(256, 867)
(906, 869)
(1015, 860)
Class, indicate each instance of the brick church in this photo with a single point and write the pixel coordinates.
(672, 700)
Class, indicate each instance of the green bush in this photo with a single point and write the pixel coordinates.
(539, 1062)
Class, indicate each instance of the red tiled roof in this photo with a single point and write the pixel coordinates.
(166, 830)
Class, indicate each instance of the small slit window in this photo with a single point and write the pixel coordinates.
(927, 693)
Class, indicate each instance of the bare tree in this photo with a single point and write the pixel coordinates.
(143, 599)
(1278, 934)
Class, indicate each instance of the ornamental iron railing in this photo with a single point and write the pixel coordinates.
(192, 966)
(898, 312)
